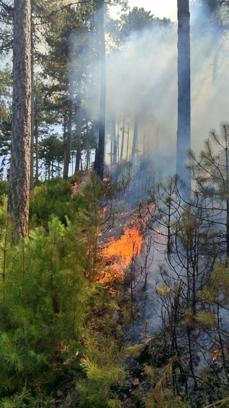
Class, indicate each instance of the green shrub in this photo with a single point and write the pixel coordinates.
(103, 368)
(4, 188)
(54, 198)
(42, 303)
(56, 324)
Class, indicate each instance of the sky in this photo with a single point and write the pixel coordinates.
(160, 8)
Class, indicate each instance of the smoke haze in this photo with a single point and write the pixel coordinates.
(142, 82)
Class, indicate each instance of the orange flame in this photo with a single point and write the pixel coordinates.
(118, 254)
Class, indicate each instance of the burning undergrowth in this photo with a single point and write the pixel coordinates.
(125, 258)
(121, 243)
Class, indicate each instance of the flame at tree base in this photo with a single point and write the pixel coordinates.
(118, 254)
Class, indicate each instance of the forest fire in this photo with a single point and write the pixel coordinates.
(118, 253)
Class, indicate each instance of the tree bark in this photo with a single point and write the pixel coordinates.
(21, 121)
(67, 143)
(100, 151)
(78, 158)
(113, 139)
(135, 139)
(33, 104)
(123, 138)
(184, 98)
(227, 192)
(32, 137)
(36, 141)
(128, 141)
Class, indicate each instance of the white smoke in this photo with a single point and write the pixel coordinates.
(142, 80)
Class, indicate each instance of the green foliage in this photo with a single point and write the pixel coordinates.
(188, 318)
(206, 319)
(103, 368)
(102, 362)
(134, 350)
(54, 197)
(217, 291)
(220, 281)
(167, 400)
(135, 21)
(56, 323)
(4, 189)
(52, 153)
(41, 308)
(161, 395)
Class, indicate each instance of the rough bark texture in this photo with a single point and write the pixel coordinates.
(32, 106)
(100, 152)
(123, 138)
(32, 141)
(135, 140)
(78, 158)
(227, 191)
(21, 121)
(36, 142)
(113, 140)
(67, 142)
(184, 97)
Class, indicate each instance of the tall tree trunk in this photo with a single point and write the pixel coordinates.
(33, 105)
(100, 151)
(135, 139)
(21, 121)
(78, 158)
(227, 193)
(32, 137)
(88, 159)
(184, 98)
(123, 138)
(113, 139)
(36, 140)
(128, 141)
(67, 143)
(52, 169)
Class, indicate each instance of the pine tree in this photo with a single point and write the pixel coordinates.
(21, 121)
(100, 16)
(211, 176)
(184, 96)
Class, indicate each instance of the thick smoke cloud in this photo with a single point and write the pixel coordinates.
(142, 81)
(210, 75)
